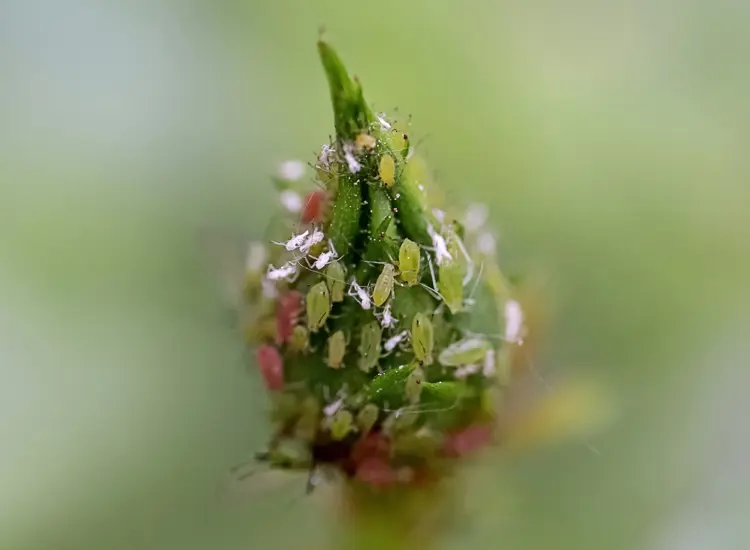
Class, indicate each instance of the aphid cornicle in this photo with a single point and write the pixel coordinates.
(335, 279)
(318, 306)
(336, 349)
(422, 338)
(383, 285)
(369, 345)
(408, 262)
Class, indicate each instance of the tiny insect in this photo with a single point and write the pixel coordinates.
(318, 306)
(413, 387)
(336, 349)
(383, 285)
(422, 338)
(387, 170)
(408, 262)
(360, 294)
(367, 417)
(464, 352)
(271, 367)
(369, 345)
(295, 242)
(316, 237)
(394, 341)
(288, 272)
(341, 424)
(336, 281)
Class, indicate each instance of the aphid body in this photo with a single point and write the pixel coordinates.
(369, 345)
(383, 285)
(318, 306)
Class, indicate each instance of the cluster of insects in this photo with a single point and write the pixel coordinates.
(380, 322)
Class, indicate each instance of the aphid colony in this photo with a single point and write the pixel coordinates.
(379, 321)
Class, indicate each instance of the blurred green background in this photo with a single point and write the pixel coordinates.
(610, 140)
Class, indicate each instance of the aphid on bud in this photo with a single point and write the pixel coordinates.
(394, 341)
(451, 286)
(360, 295)
(336, 349)
(335, 279)
(295, 242)
(383, 285)
(422, 338)
(288, 272)
(341, 424)
(365, 141)
(318, 306)
(316, 237)
(464, 352)
(408, 262)
(300, 339)
(369, 345)
(271, 367)
(387, 170)
(413, 387)
(367, 417)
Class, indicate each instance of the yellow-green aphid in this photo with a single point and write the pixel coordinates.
(387, 170)
(367, 417)
(336, 281)
(336, 349)
(383, 285)
(408, 262)
(307, 424)
(318, 306)
(450, 285)
(369, 345)
(341, 424)
(300, 340)
(464, 352)
(413, 388)
(422, 338)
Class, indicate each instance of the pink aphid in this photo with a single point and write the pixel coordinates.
(288, 310)
(468, 440)
(271, 367)
(313, 207)
(376, 471)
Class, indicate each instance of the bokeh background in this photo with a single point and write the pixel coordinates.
(609, 139)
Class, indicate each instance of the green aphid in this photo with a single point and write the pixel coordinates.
(336, 281)
(341, 424)
(450, 285)
(367, 417)
(318, 306)
(384, 285)
(300, 340)
(413, 387)
(369, 345)
(408, 262)
(336, 349)
(464, 352)
(422, 338)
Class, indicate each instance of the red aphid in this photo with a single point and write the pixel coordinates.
(314, 206)
(271, 367)
(468, 440)
(288, 310)
(376, 471)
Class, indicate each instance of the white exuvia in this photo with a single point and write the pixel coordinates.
(513, 322)
(291, 170)
(394, 341)
(286, 271)
(351, 161)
